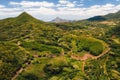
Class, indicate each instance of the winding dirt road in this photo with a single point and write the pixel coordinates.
(76, 57)
(21, 69)
(89, 56)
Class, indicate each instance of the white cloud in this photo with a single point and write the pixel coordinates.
(65, 9)
(2, 6)
(28, 4)
(42, 10)
(63, 1)
(66, 3)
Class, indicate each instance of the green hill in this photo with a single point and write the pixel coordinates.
(97, 18)
(21, 26)
(113, 16)
(31, 49)
(109, 17)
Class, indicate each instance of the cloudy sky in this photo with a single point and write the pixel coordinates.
(67, 9)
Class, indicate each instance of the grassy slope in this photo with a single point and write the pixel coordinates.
(41, 38)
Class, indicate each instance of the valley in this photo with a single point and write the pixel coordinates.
(31, 49)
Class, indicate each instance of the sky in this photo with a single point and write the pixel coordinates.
(47, 10)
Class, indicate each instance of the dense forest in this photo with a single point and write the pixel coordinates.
(31, 49)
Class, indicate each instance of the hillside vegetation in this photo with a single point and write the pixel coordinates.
(31, 49)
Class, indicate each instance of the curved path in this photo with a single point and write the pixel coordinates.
(89, 56)
(76, 57)
(21, 69)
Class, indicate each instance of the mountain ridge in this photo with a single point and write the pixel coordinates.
(97, 18)
(110, 16)
(59, 20)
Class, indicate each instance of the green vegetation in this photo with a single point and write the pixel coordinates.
(31, 49)
(11, 59)
(115, 30)
(97, 18)
(80, 43)
(41, 47)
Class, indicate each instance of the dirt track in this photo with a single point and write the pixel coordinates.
(89, 56)
(21, 69)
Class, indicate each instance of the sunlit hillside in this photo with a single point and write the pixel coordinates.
(31, 49)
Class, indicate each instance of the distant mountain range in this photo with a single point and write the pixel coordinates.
(59, 20)
(97, 18)
(111, 16)
(24, 24)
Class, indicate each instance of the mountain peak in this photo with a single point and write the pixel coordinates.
(25, 17)
(24, 13)
(59, 20)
